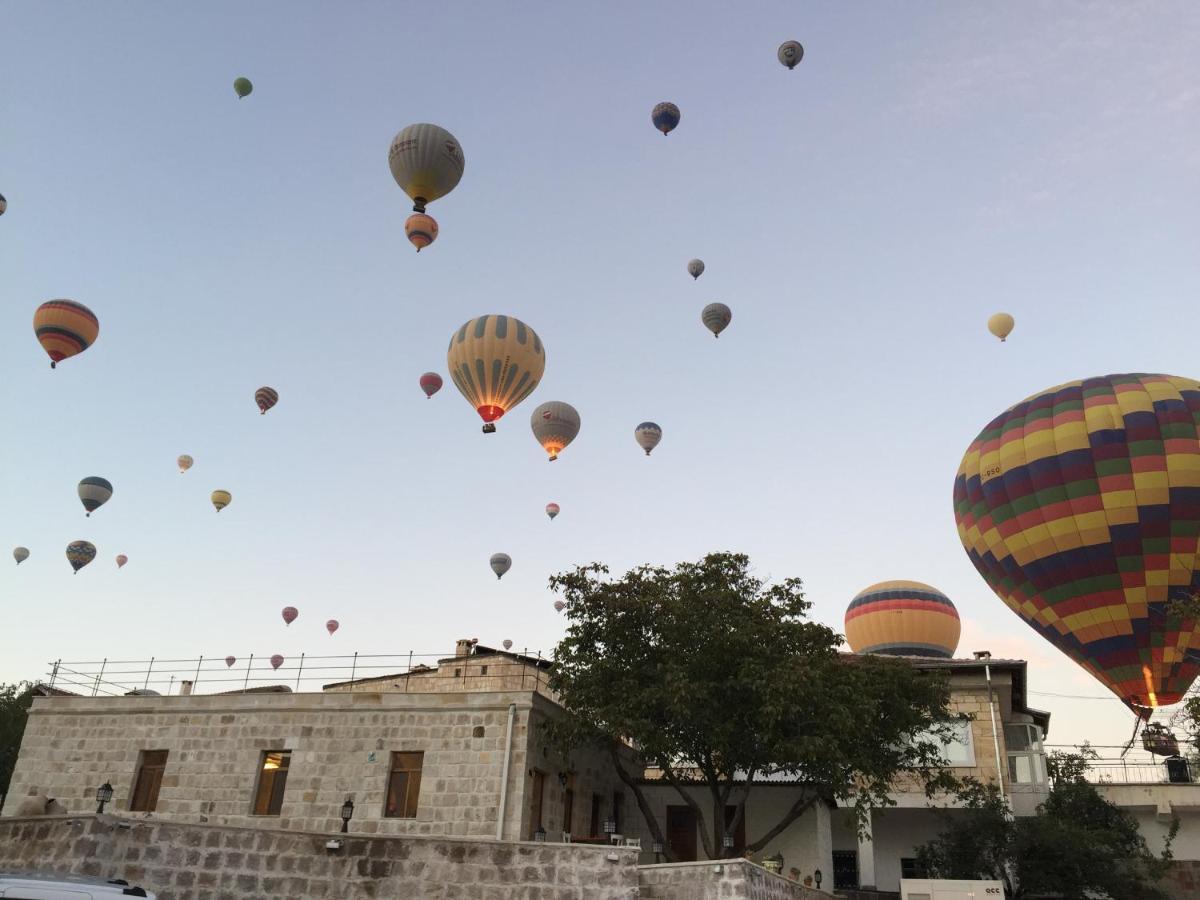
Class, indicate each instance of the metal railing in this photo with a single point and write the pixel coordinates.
(1134, 767)
(515, 670)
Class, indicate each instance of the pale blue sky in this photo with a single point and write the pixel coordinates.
(925, 166)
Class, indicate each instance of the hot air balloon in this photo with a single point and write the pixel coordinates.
(230, 660)
(902, 618)
(559, 606)
(790, 53)
(221, 499)
(695, 268)
(276, 661)
(1001, 325)
(121, 560)
(716, 317)
(552, 510)
(94, 492)
(500, 563)
(665, 117)
(185, 463)
(495, 362)
(64, 328)
(331, 626)
(1080, 507)
(80, 553)
(20, 554)
(554, 425)
(266, 397)
(431, 383)
(3, 204)
(647, 435)
(427, 162)
(421, 230)
(242, 87)
(506, 644)
(289, 614)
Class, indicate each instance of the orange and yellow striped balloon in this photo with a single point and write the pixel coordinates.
(902, 618)
(64, 328)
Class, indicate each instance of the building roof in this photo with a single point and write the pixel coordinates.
(1016, 667)
(478, 653)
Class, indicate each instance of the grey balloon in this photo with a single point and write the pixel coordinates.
(500, 563)
(716, 317)
(555, 424)
(648, 434)
(20, 554)
(790, 53)
(696, 268)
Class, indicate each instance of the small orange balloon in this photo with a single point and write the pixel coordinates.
(421, 229)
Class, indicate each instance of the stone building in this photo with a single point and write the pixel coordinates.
(454, 750)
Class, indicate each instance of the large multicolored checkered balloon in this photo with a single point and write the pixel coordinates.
(1080, 507)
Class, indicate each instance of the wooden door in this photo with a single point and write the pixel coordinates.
(681, 833)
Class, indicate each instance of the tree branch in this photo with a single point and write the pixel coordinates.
(799, 808)
(640, 796)
(695, 807)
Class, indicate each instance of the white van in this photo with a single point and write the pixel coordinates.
(945, 889)
(66, 887)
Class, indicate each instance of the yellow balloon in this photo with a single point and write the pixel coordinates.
(221, 499)
(495, 362)
(1001, 325)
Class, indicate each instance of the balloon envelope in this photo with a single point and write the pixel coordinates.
(903, 618)
(696, 268)
(665, 117)
(790, 53)
(1080, 507)
(121, 560)
(65, 328)
(242, 87)
(20, 554)
(230, 660)
(276, 661)
(185, 462)
(559, 606)
(80, 553)
(495, 362)
(648, 434)
(289, 614)
(332, 625)
(427, 162)
(266, 397)
(431, 383)
(421, 230)
(507, 644)
(221, 499)
(1001, 325)
(555, 424)
(500, 563)
(716, 317)
(3, 204)
(94, 492)
(552, 510)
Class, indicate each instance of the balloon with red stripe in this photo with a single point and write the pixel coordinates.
(903, 618)
(65, 328)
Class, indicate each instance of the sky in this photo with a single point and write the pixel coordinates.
(925, 166)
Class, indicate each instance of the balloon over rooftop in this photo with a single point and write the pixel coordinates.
(902, 618)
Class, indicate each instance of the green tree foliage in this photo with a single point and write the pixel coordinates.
(15, 700)
(1078, 846)
(717, 678)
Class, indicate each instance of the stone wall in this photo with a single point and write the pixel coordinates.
(710, 881)
(203, 862)
(462, 674)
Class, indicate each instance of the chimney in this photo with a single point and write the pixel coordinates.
(463, 647)
(185, 689)
(983, 654)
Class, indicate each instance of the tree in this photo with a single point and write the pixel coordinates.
(716, 678)
(1078, 846)
(15, 700)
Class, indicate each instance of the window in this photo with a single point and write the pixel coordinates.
(909, 868)
(1026, 758)
(272, 779)
(536, 794)
(568, 808)
(619, 811)
(149, 778)
(483, 670)
(594, 822)
(959, 748)
(404, 786)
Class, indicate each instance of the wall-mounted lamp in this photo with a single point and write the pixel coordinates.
(540, 835)
(347, 813)
(610, 827)
(103, 795)
(563, 778)
(817, 878)
(658, 850)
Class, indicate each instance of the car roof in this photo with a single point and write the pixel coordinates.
(101, 886)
